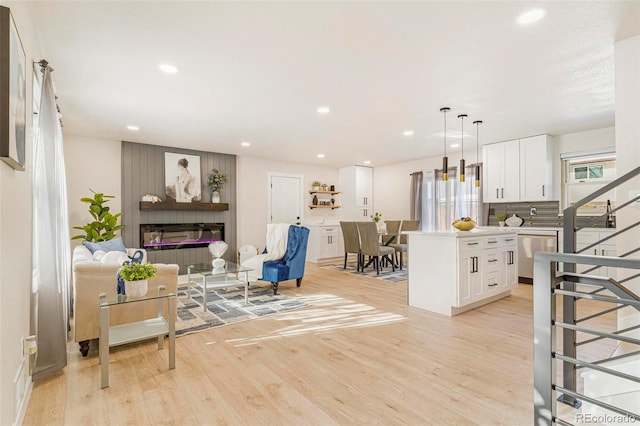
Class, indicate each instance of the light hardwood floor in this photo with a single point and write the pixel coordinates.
(357, 355)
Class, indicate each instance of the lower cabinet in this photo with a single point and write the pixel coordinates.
(454, 273)
(325, 242)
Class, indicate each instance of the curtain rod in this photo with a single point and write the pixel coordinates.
(43, 63)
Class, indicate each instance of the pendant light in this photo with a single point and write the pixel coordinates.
(445, 160)
(477, 123)
(462, 117)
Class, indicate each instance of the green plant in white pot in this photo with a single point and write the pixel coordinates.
(501, 218)
(136, 278)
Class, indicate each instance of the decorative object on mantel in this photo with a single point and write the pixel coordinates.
(316, 185)
(182, 177)
(151, 198)
(104, 225)
(501, 218)
(217, 250)
(464, 224)
(514, 221)
(445, 159)
(215, 182)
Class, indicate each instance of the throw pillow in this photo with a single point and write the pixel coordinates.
(114, 258)
(115, 244)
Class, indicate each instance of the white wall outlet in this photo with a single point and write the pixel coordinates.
(533, 211)
(29, 345)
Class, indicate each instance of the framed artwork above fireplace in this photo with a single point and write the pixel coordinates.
(182, 177)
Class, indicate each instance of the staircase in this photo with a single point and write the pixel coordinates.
(584, 356)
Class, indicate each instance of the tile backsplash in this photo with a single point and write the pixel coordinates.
(546, 214)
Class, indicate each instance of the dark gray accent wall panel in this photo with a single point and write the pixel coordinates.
(143, 173)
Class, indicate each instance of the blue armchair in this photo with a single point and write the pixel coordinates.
(291, 266)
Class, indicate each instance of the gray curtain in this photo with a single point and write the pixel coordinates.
(416, 196)
(51, 246)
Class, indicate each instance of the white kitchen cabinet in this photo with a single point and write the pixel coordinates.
(452, 272)
(518, 170)
(507, 255)
(536, 169)
(356, 183)
(325, 242)
(585, 239)
(501, 172)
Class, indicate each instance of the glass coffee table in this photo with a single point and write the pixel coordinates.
(230, 275)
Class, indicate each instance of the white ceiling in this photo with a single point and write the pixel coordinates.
(257, 71)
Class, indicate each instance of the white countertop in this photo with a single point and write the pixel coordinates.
(477, 232)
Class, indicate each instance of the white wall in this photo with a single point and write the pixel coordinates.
(15, 241)
(627, 72)
(252, 193)
(91, 164)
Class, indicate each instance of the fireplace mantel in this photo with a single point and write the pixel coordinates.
(172, 205)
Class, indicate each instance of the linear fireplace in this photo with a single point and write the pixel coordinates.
(166, 236)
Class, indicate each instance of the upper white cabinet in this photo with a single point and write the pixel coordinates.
(518, 170)
(356, 183)
(535, 169)
(501, 172)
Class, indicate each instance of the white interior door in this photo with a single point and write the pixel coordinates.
(285, 199)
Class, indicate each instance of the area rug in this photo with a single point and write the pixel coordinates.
(385, 273)
(226, 306)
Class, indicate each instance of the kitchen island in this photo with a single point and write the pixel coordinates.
(453, 272)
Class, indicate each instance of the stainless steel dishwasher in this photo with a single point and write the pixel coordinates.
(529, 242)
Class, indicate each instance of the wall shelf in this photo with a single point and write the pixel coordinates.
(172, 205)
(311, 206)
(324, 192)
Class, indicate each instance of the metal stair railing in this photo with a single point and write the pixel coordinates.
(550, 285)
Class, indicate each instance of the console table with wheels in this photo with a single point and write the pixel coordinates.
(136, 331)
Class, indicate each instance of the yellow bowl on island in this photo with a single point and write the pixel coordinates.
(464, 224)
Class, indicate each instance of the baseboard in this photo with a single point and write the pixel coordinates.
(23, 385)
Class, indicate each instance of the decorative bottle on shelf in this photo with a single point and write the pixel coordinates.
(611, 221)
(315, 200)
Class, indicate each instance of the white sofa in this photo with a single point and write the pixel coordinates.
(92, 277)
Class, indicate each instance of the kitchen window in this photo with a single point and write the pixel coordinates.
(585, 173)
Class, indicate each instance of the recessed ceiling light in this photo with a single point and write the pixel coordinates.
(320, 155)
(531, 16)
(245, 143)
(134, 128)
(323, 110)
(408, 133)
(169, 69)
(454, 145)
(367, 162)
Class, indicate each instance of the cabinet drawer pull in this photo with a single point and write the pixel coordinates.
(472, 244)
(543, 190)
(509, 239)
(492, 242)
(497, 194)
(493, 285)
(502, 192)
(492, 260)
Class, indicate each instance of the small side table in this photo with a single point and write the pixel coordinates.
(136, 331)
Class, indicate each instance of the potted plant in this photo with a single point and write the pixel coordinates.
(316, 185)
(136, 278)
(501, 218)
(104, 225)
(376, 217)
(215, 182)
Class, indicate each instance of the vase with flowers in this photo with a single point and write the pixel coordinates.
(217, 250)
(216, 181)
